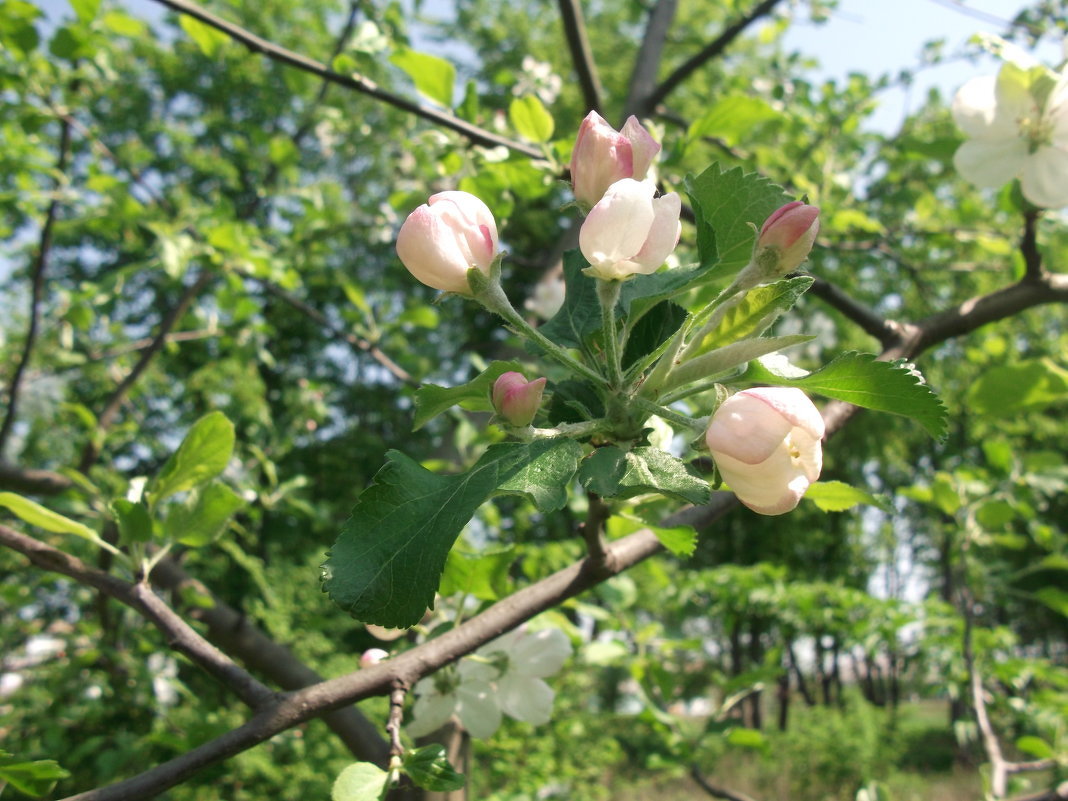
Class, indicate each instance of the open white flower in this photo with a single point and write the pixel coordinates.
(1011, 135)
(455, 691)
(522, 659)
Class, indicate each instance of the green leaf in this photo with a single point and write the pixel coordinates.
(752, 313)
(387, 561)
(574, 402)
(483, 576)
(544, 480)
(36, 515)
(1055, 598)
(580, 315)
(135, 524)
(210, 40)
(859, 379)
(432, 76)
(746, 738)
(125, 25)
(360, 781)
(653, 330)
(85, 9)
(837, 496)
(203, 454)
(429, 768)
(36, 778)
(1009, 389)
(720, 360)
(680, 540)
(1035, 746)
(605, 652)
(726, 205)
(203, 516)
(531, 119)
(642, 292)
(614, 473)
(431, 399)
(731, 118)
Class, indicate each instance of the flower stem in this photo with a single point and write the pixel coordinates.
(608, 294)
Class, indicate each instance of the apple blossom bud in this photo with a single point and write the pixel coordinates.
(787, 237)
(372, 656)
(603, 156)
(629, 231)
(766, 444)
(444, 238)
(516, 399)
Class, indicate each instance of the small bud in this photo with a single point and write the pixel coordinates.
(629, 231)
(603, 156)
(372, 656)
(447, 236)
(516, 399)
(766, 444)
(787, 237)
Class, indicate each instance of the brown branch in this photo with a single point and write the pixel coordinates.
(37, 273)
(32, 482)
(396, 715)
(714, 790)
(356, 82)
(714, 49)
(1029, 246)
(642, 83)
(180, 635)
(118, 396)
(886, 331)
(593, 529)
(581, 56)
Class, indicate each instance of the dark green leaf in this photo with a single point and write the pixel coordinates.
(544, 479)
(653, 330)
(431, 400)
(614, 473)
(429, 768)
(580, 315)
(203, 454)
(574, 402)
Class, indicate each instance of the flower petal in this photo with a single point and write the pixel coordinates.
(478, 709)
(990, 162)
(1044, 180)
(618, 225)
(527, 699)
(773, 487)
(430, 712)
(746, 428)
(539, 654)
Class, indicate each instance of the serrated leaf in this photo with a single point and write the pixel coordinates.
(429, 768)
(432, 76)
(210, 40)
(580, 315)
(203, 516)
(431, 399)
(837, 496)
(614, 473)
(642, 292)
(545, 480)
(726, 205)
(859, 379)
(203, 454)
(387, 562)
(36, 515)
(1011, 388)
(531, 119)
(752, 313)
(361, 781)
(34, 778)
(135, 524)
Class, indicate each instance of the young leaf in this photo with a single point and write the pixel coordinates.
(37, 515)
(483, 576)
(429, 768)
(360, 781)
(531, 119)
(387, 561)
(724, 205)
(35, 778)
(204, 515)
(859, 379)
(432, 76)
(837, 496)
(207, 38)
(752, 313)
(203, 454)
(715, 362)
(135, 524)
(431, 399)
(653, 330)
(1008, 389)
(614, 473)
(680, 540)
(580, 315)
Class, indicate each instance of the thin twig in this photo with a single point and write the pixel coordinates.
(1029, 246)
(714, 790)
(37, 273)
(581, 55)
(396, 715)
(33, 482)
(354, 81)
(883, 330)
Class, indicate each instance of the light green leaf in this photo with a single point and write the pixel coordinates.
(360, 781)
(746, 738)
(123, 24)
(203, 454)
(614, 473)
(531, 119)
(431, 399)
(387, 561)
(1035, 746)
(859, 379)
(135, 524)
(720, 360)
(429, 768)
(85, 9)
(36, 778)
(1055, 598)
(731, 118)
(837, 496)
(210, 40)
(36, 515)
(680, 540)
(203, 516)
(752, 313)
(605, 652)
(1009, 389)
(432, 76)
(483, 576)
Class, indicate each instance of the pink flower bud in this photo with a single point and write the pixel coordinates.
(516, 399)
(766, 443)
(603, 156)
(444, 238)
(629, 231)
(787, 237)
(372, 656)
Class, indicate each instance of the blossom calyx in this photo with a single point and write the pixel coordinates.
(517, 400)
(629, 231)
(766, 444)
(603, 156)
(450, 234)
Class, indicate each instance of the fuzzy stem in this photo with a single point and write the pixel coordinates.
(608, 294)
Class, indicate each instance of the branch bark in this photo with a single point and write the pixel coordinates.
(581, 55)
(646, 66)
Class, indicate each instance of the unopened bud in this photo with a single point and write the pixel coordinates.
(372, 656)
(787, 237)
(603, 156)
(516, 399)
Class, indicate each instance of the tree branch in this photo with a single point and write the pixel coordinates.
(714, 49)
(714, 790)
(886, 331)
(256, 44)
(180, 635)
(647, 64)
(1029, 246)
(37, 273)
(581, 56)
(33, 482)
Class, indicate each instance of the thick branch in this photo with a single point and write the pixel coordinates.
(37, 273)
(646, 66)
(713, 50)
(256, 44)
(581, 56)
(32, 482)
(180, 635)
